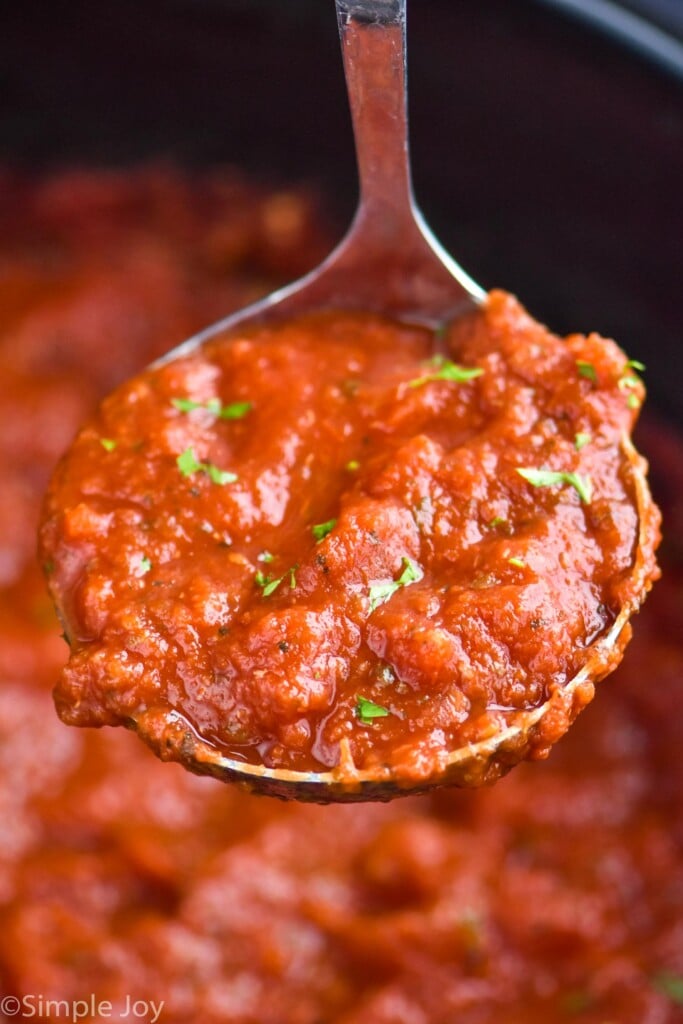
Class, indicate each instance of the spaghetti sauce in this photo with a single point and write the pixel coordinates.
(552, 897)
(341, 543)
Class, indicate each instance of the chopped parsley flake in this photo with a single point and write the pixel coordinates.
(587, 370)
(219, 476)
(234, 411)
(548, 478)
(269, 585)
(321, 530)
(108, 444)
(188, 464)
(518, 563)
(381, 592)
(497, 521)
(626, 383)
(446, 369)
(145, 565)
(635, 364)
(353, 465)
(187, 404)
(367, 710)
(670, 985)
(265, 556)
(581, 440)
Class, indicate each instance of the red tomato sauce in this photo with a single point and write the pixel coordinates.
(325, 545)
(555, 896)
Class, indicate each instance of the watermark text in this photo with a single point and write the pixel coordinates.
(74, 1010)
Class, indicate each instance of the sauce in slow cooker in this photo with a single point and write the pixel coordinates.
(555, 896)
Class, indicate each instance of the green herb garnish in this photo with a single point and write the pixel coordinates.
(367, 710)
(234, 411)
(269, 585)
(446, 369)
(626, 383)
(548, 478)
(635, 364)
(108, 443)
(518, 563)
(219, 476)
(265, 556)
(497, 521)
(145, 565)
(352, 465)
(581, 440)
(260, 580)
(321, 530)
(187, 404)
(381, 592)
(188, 464)
(587, 370)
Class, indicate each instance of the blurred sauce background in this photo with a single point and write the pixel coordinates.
(547, 136)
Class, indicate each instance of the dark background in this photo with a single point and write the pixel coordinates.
(548, 157)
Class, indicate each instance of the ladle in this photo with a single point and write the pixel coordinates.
(390, 263)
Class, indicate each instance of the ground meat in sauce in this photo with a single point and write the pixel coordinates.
(555, 896)
(314, 542)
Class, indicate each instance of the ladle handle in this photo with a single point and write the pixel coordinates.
(373, 38)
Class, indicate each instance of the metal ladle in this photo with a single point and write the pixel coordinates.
(389, 262)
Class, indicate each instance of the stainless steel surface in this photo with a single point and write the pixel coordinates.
(389, 261)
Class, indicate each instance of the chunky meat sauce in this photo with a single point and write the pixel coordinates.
(555, 896)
